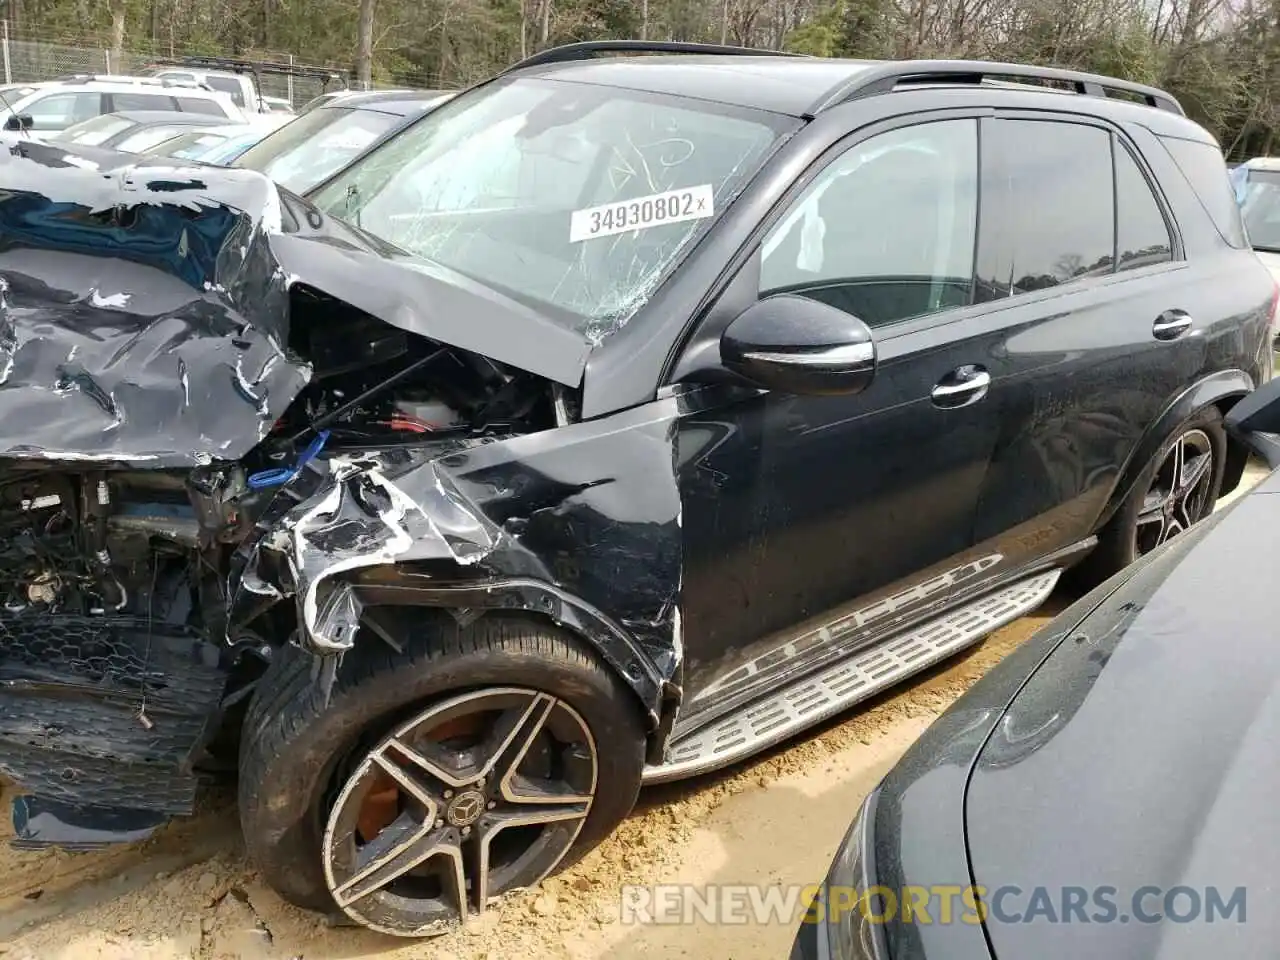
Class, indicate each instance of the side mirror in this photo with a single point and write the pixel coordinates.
(798, 345)
(18, 122)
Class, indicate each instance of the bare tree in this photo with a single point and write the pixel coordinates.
(1220, 57)
(118, 12)
(364, 45)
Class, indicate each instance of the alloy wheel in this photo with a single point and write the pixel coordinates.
(1179, 492)
(475, 796)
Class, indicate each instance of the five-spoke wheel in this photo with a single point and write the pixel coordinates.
(1177, 487)
(1179, 493)
(429, 780)
(479, 794)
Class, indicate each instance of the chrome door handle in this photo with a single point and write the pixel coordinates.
(961, 387)
(1171, 324)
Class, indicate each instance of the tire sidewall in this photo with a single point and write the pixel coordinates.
(284, 801)
(1209, 422)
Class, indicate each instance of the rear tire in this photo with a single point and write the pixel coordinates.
(1177, 488)
(383, 795)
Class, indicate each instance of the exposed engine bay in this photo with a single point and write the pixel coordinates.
(89, 541)
(116, 581)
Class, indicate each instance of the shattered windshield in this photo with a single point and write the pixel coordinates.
(572, 197)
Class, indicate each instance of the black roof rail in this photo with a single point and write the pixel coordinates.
(592, 48)
(886, 76)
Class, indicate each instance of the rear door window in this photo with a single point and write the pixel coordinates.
(1049, 208)
(1142, 234)
(200, 105)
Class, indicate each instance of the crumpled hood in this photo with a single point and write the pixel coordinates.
(144, 306)
(1142, 754)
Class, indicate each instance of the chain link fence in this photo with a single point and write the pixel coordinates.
(31, 61)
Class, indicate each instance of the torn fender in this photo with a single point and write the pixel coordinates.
(580, 523)
(144, 306)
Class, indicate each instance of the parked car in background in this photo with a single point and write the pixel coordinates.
(16, 91)
(615, 420)
(319, 143)
(55, 105)
(333, 96)
(1240, 174)
(216, 145)
(276, 105)
(133, 131)
(238, 86)
(1096, 790)
(1256, 184)
(244, 80)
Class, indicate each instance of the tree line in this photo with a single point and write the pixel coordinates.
(1221, 58)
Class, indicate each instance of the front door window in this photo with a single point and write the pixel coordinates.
(887, 231)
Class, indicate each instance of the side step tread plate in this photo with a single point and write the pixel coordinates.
(817, 696)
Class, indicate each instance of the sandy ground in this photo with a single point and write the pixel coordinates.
(191, 893)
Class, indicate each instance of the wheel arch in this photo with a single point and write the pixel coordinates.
(656, 698)
(1223, 390)
(1237, 453)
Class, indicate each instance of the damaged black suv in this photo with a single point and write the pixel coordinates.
(615, 421)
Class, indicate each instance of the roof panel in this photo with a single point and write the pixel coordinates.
(788, 85)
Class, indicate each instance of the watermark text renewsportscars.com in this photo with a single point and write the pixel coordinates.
(935, 904)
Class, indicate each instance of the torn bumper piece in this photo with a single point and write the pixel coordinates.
(39, 822)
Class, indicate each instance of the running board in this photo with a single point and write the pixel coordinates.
(772, 719)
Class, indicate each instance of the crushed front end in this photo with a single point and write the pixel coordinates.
(228, 424)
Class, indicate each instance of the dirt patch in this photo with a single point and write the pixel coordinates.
(191, 892)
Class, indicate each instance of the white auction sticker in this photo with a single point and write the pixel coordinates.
(674, 206)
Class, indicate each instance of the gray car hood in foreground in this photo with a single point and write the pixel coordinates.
(1143, 753)
(144, 307)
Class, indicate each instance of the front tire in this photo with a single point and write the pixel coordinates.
(1178, 488)
(438, 777)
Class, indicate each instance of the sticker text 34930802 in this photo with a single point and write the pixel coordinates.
(655, 210)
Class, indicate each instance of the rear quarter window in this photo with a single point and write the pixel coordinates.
(1205, 169)
(199, 105)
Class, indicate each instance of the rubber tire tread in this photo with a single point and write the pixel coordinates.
(292, 742)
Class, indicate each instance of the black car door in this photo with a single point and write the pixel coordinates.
(1102, 318)
(811, 508)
